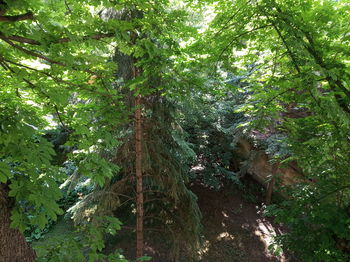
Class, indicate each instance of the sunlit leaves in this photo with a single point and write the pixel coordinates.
(294, 57)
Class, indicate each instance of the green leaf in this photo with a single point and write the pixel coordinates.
(5, 172)
(144, 258)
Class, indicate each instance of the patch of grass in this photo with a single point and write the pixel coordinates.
(63, 229)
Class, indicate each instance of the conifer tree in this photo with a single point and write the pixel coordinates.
(152, 155)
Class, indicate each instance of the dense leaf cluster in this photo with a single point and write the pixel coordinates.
(208, 72)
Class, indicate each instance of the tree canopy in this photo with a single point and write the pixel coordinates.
(124, 98)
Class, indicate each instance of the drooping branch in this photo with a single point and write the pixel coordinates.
(309, 45)
(59, 80)
(227, 23)
(21, 39)
(31, 85)
(95, 37)
(15, 18)
(37, 55)
(318, 59)
(69, 10)
(289, 51)
(29, 52)
(31, 41)
(8, 39)
(233, 40)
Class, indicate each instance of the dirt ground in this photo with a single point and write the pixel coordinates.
(233, 230)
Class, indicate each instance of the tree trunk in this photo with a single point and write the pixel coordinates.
(13, 246)
(139, 183)
(270, 185)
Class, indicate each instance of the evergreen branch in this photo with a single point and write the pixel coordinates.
(153, 191)
(154, 199)
(153, 217)
(145, 228)
(126, 201)
(120, 183)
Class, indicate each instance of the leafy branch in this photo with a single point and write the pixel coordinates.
(16, 18)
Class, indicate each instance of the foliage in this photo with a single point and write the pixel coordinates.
(287, 69)
(169, 204)
(208, 122)
(86, 246)
(33, 233)
(25, 162)
(42, 68)
(150, 42)
(299, 88)
(68, 199)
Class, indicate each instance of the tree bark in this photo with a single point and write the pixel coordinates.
(138, 172)
(271, 185)
(15, 18)
(13, 246)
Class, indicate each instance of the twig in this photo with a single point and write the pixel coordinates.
(15, 18)
(31, 53)
(237, 37)
(68, 8)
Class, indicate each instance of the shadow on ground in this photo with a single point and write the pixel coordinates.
(233, 229)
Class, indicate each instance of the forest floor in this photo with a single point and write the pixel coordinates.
(234, 229)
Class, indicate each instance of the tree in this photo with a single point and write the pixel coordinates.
(299, 86)
(42, 67)
(56, 63)
(150, 143)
